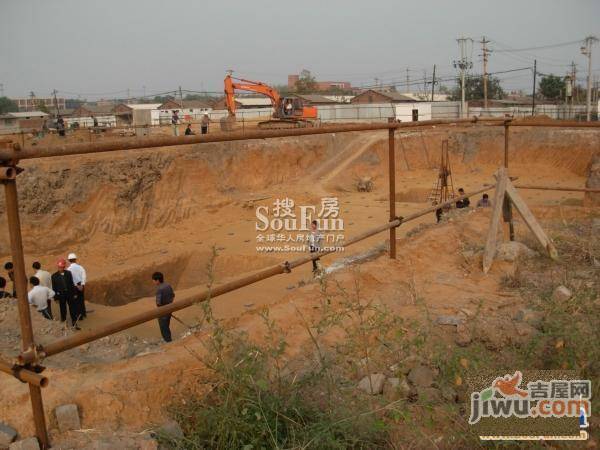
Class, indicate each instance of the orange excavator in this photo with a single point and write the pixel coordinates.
(288, 112)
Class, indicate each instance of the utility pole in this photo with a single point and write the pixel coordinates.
(128, 96)
(485, 52)
(425, 83)
(407, 81)
(533, 96)
(433, 84)
(56, 102)
(573, 81)
(587, 51)
(463, 64)
(181, 97)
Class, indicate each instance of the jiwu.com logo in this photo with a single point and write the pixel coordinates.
(506, 398)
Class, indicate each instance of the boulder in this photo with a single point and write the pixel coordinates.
(512, 250)
(561, 293)
(463, 336)
(421, 376)
(172, 428)
(26, 444)
(7, 435)
(449, 320)
(374, 386)
(67, 417)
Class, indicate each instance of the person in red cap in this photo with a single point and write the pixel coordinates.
(64, 288)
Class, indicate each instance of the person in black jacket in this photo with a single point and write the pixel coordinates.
(465, 202)
(62, 285)
(164, 296)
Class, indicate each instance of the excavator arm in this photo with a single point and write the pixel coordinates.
(246, 85)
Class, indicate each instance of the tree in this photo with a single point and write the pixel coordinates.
(474, 89)
(552, 87)
(306, 83)
(7, 105)
(41, 106)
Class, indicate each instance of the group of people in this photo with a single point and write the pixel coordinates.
(204, 123)
(462, 203)
(65, 286)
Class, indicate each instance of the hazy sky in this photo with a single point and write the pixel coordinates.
(101, 48)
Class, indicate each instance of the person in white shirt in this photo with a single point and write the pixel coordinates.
(40, 297)
(42, 275)
(79, 279)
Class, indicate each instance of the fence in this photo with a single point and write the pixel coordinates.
(558, 112)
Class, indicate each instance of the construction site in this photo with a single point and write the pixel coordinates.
(412, 263)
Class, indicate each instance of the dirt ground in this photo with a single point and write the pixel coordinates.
(127, 214)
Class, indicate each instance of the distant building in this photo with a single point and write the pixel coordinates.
(16, 122)
(245, 103)
(314, 99)
(137, 114)
(84, 115)
(34, 103)
(374, 96)
(321, 85)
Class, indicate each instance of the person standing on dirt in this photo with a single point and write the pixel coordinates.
(40, 297)
(60, 126)
(79, 279)
(175, 123)
(314, 244)
(64, 290)
(42, 275)
(164, 296)
(204, 122)
(95, 119)
(465, 202)
(3, 292)
(10, 271)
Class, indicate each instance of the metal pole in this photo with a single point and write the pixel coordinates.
(28, 344)
(557, 188)
(22, 374)
(533, 96)
(167, 141)
(392, 180)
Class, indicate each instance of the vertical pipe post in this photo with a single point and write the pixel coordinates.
(18, 259)
(507, 205)
(392, 179)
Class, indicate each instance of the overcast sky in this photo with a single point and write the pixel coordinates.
(102, 48)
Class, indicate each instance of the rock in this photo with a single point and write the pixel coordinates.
(463, 336)
(449, 320)
(26, 444)
(364, 184)
(396, 388)
(410, 363)
(7, 435)
(373, 387)
(449, 394)
(149, 444)
(561, 293)
(421, 376)
(510, 251)
(530, 316)
(428, 394)
(172, 428)
(67, 417)
(593, 182)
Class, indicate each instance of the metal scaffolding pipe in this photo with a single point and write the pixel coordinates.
(392, 182)
(165, 141)
(84, 337)
(23, 374)
(20, 277)
(557, 188)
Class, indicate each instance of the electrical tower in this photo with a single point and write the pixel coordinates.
(485, 52)
(463, 64)
(587, 51)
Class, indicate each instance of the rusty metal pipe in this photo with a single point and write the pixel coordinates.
(164, 141)
(23, 374)
(28, 343)
(8, 173)
(557, 188)
(392, 194)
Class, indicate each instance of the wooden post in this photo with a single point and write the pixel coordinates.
(490, 243)
(392, 179)
(531, 221)
(507, 207)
